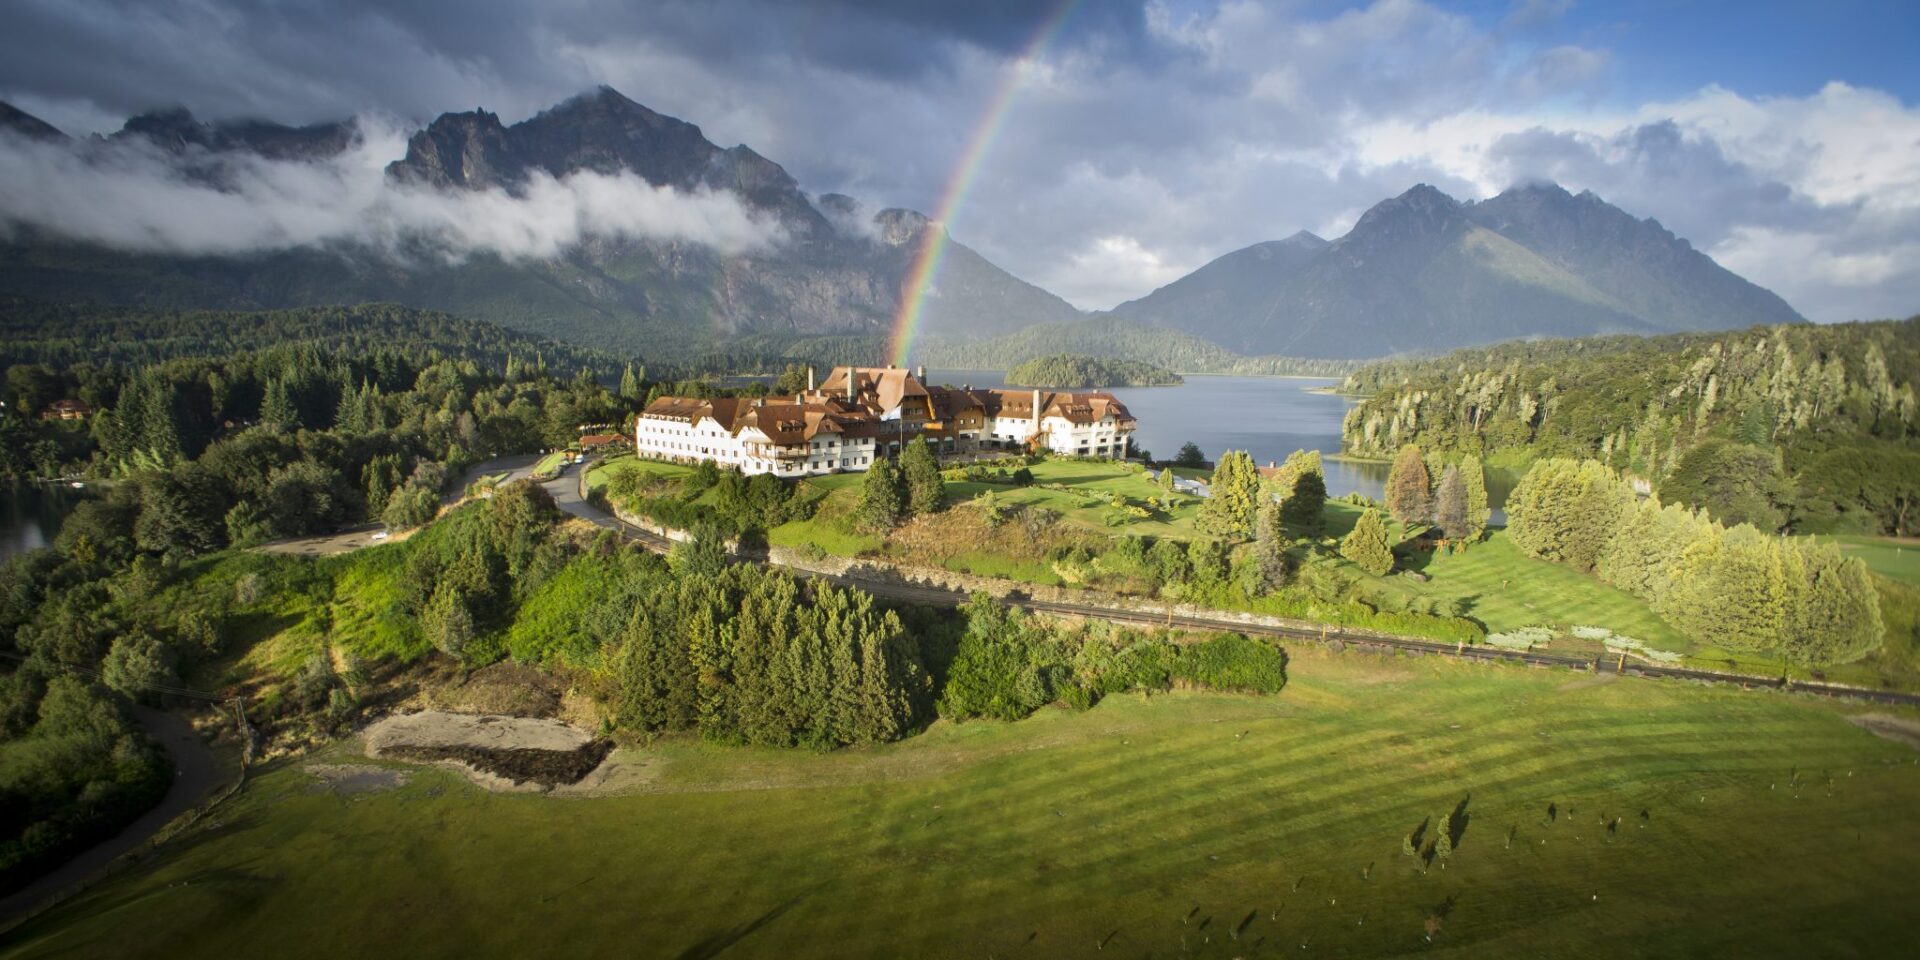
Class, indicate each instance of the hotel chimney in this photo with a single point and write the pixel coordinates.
(809, 378)
(920, 373)
(1036, 413)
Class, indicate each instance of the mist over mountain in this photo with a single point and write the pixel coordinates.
(609, 224)
(1423, 271)
(598, 220)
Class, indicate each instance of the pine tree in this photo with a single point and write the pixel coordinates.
(1367, 545)
(883, 498)
(448, 622)
(925, 488)
(1478, 510)
(630, 385)
(276, 410)
(1450, 504)
(1166, 479)
(1409, 487)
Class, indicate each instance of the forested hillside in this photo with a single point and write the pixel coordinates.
(1066, 370)
(67, 334)
(1798, 427)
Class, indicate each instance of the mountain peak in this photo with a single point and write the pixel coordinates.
(1305, 238)
(26, 124)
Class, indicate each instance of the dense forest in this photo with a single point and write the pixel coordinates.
(1071, 371)
(69, 335)
(1801, 428)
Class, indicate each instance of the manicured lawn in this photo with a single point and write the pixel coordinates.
(1508, 589)
(1890, 557)
(608, 469)
(1183, 825)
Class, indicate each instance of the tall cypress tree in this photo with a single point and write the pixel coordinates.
(1478, 510)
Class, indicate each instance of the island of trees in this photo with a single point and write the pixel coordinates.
(1071, 371)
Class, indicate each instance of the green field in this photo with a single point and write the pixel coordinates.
(1181, 825)
(1890, 557)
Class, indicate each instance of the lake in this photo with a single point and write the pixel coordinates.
(30, 515)
(1268, 417)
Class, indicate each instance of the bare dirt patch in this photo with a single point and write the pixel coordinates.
(1897, 729)
(503, 688)
(355, 777)
(499, 753)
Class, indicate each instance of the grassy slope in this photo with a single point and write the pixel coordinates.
(1047, 837)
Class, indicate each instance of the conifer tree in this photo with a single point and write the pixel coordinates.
(883, 498)
(276, 409)
(925, 488)
(1478, 510)
(1409, 487)
(1233, 499)
(630, 384)
(1450, 504)
(1367, 545)
(1273, 567)
(1305, 495)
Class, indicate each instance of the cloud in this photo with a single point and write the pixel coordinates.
(1192, 127)
(130, 195)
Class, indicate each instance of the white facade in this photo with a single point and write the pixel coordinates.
(821, 433)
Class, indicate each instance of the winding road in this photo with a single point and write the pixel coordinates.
(195, 775)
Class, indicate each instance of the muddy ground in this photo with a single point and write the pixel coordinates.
(497, 752)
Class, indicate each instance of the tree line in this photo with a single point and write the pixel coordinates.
(1736, 588)
(1803, 428)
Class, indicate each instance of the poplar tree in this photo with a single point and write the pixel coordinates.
(1410, 487)
(1450, 504)
(1367, 545)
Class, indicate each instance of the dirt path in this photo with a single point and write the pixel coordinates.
(196, 774)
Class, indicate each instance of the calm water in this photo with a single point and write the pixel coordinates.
(30, 515)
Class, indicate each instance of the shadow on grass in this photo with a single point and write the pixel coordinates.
(717, 944)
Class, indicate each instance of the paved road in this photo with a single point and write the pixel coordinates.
(195, 774)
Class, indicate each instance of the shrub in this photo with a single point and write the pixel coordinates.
(1231, 661)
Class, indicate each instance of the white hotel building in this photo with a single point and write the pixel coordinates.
(862, 413)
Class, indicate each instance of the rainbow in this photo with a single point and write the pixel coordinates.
(933, 240)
